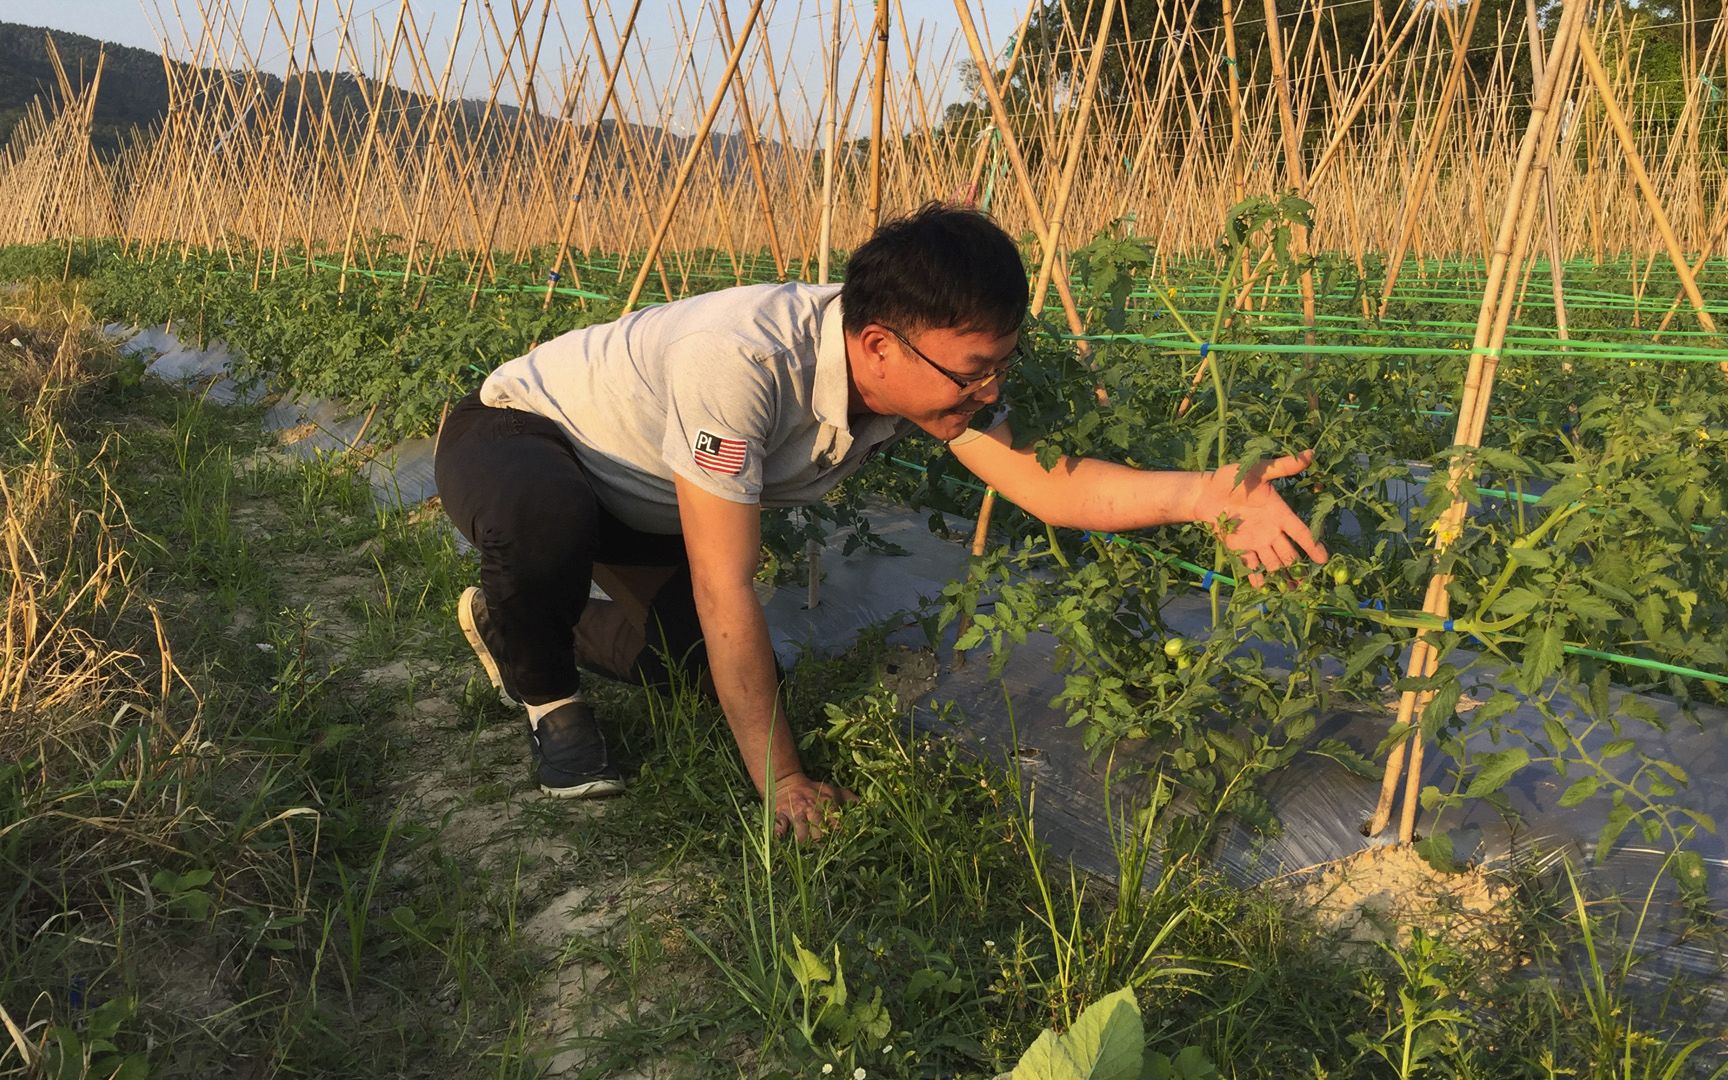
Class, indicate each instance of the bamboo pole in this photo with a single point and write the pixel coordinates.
(1556, 269)
(607, 97)
(753, 148)
(684, 170)
(876, 94)
(1071, 160)
(1425, 169)
(1298, 179)
(366, 145)
(1635, 161)
(1491, 322)
(825, 241)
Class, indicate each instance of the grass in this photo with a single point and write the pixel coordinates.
(259, 815)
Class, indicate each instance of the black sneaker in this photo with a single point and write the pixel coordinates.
(476, 627)
(570, 758)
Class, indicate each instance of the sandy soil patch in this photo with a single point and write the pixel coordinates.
(1379, 895)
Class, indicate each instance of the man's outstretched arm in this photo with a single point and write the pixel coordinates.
(1086, 493)
(724, 540)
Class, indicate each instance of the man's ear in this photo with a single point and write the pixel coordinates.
(872, 344)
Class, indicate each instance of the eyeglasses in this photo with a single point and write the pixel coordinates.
(967, 383)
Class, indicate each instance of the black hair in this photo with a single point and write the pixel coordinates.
(940, 267)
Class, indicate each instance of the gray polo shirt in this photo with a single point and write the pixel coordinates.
(743, 392)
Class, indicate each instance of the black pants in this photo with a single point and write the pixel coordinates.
(511, 483)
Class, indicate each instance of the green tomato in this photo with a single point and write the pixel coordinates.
(1183, 663)
(1174, 647)
(1340, 573)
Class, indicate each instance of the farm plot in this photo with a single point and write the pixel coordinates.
(1445, 805)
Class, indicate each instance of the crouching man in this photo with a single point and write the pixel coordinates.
(637, 455)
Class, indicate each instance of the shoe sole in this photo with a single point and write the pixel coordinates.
(465, 619)
(593, 789)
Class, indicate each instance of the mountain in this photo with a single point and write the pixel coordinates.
(133, 96)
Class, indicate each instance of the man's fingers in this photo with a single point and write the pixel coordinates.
(1287, 466)
(1283, 552)
(1299, 532)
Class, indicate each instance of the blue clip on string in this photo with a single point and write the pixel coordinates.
(1448, 626)
(1206, 581)
(552, 276)
(1205, 347)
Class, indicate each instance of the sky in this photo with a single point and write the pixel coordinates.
(796, 33)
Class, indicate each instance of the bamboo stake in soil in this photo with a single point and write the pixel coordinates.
(1502, 277)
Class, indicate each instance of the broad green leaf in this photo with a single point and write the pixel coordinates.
(1437, 852)
(1585, 606)
(1107, 1042)
(805, 965)
(1530, 556)
(1676, 772)
(1495, 769)
(1518, 601)
(1581, 789)
(1617, 747)
(1542, 657)
(1618, 818)
(1441, 708)
(1689, 871)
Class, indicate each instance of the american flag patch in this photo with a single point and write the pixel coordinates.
(718, 454)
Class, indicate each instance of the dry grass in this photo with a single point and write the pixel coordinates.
(79, 710)
(64, 531)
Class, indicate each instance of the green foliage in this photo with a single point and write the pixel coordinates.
(1108, 1042)
(1596, 523)
(1425, 1027)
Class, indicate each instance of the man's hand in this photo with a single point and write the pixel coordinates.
(806, 807)
(1264, 532)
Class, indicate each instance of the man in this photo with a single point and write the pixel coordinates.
(637, 455)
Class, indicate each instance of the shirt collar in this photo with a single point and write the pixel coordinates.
(832, 399)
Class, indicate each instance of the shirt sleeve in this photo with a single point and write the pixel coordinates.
(720, 413)
(985, 420)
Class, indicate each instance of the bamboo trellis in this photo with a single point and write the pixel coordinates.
(362, 154)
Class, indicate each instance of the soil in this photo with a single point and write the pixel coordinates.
(909, 673)
(1379, 895)
(471, 782)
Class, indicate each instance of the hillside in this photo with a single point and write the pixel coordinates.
(134, 95)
